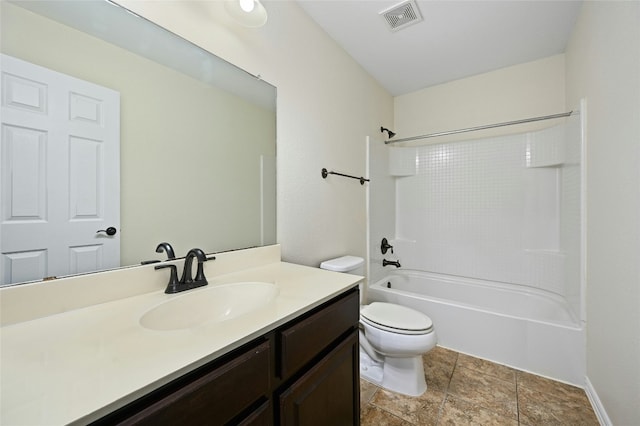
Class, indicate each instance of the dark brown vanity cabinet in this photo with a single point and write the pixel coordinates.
(327, 391)
(305, 372)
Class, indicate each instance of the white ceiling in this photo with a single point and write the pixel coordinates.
(455, 39)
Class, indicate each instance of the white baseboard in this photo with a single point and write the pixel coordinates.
(598, 408)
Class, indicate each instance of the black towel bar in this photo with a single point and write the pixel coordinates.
(325, 173)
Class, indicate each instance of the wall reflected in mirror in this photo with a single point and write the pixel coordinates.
(197, 136)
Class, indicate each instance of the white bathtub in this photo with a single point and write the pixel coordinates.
(524, 328)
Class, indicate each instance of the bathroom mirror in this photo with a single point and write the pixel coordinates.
(197, 141)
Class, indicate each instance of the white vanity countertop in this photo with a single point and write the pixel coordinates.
(79, 365)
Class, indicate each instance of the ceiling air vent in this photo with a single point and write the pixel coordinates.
(402, 15)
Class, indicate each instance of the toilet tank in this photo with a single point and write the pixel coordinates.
(347, 264)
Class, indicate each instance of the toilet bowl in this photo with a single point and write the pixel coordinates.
(393, 339)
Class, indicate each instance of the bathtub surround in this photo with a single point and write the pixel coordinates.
(503, 209)
(381, 205)
(489, 234)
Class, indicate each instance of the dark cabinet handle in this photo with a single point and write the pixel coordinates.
(109, 231)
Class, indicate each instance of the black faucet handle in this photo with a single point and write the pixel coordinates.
(384, 246)
(172, 286)
(166, 247)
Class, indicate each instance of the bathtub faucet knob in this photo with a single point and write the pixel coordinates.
(384, 246)
(395, 263)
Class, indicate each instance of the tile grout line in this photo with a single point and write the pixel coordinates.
(378, 388)
(515, 373)
(446, 392)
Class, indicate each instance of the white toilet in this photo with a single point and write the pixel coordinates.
(393, 338)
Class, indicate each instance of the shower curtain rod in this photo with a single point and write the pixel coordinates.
(488, 126)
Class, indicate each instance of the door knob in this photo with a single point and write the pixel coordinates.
(109, 231)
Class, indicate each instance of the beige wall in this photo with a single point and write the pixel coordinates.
(521, 91)
(327, 105)
(603, 65)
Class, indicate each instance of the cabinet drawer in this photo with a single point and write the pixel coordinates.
(217, 396)
(309, 337)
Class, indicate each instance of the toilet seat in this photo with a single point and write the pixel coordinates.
(395, 318)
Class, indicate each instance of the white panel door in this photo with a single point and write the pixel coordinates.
(60, 174)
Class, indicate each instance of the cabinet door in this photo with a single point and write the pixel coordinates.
(329, 393)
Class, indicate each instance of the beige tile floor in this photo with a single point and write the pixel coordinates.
(463, 390)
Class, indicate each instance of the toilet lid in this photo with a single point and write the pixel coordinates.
(396, 317)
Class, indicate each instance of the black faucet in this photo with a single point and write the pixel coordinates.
(186, 272)
(187, 282)
(395, 263)
(166, 247)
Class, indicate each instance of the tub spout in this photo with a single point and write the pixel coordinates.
(395, 263)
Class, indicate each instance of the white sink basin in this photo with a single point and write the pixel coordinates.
(214, 303)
